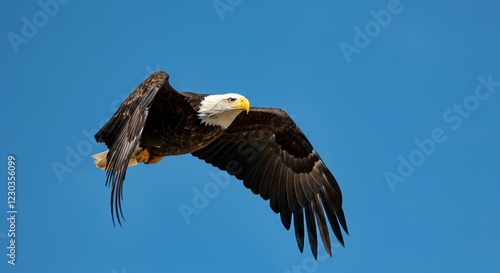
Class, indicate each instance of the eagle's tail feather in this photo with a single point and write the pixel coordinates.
(101, 162)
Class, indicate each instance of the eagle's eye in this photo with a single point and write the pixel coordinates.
(231, 100)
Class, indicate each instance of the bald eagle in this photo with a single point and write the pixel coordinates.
(263, 147)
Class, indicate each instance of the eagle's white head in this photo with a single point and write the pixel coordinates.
(222, 109)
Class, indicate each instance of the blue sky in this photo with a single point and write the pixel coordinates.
(400, 98)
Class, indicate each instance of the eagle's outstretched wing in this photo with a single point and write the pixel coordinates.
(272, 156)
(122, 134)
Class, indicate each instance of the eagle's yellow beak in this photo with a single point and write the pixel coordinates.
(243, 103)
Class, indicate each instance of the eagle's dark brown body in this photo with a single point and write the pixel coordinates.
(264, 148)
(173, 128)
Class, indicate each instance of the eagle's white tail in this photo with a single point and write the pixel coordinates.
(101, 163)
(100, 160)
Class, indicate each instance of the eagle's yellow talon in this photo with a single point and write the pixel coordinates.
(143, 156)
(154, 159)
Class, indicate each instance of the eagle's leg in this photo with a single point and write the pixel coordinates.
(142, 156)
(154, 159)
(145, 157)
